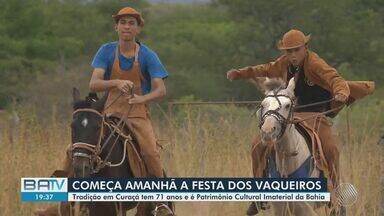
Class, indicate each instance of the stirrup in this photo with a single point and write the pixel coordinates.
(162, 206)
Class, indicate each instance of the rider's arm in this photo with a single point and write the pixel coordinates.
(98, 83)
(158, 90)
(157, 73)
(157, 93)
(330, 77)
(271, 70)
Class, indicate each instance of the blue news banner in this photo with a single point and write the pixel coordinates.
(173, 189)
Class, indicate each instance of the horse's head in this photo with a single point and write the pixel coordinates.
(276, 109)
(86, 130)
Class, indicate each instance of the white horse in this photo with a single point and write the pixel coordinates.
(291, 148)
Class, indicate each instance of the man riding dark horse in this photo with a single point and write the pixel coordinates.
(316, 81)
(133, 75)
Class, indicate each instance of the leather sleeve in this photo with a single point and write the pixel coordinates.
(330, 77)
(271, 70)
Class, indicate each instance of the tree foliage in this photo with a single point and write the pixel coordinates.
(197, 43)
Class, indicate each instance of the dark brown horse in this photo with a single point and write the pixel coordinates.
(98, 151)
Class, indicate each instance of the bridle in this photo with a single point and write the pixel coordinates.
(275, 113)
(96, 149)
(289, 120)
(93, 148)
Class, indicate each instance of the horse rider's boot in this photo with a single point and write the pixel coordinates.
(254, 207)
(162, 210)
(330, 146)
(259, 155)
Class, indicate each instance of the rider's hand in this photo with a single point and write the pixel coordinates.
(341, 98)
(137, 99)
(233, 74)
(124, 86)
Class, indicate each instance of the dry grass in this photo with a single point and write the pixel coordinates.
(204, 141)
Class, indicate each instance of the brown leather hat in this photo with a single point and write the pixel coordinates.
(293, 39)
(128, 11)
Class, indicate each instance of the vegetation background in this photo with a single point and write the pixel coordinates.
(46, 47)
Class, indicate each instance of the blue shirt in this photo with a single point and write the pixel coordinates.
(150, 64)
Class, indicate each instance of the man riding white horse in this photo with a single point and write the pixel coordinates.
(316, 81)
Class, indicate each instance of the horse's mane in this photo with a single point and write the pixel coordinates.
(81, 104)
(273, 84)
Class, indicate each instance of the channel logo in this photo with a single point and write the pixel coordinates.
(44, 184)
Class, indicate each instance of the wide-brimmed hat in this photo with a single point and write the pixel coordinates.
(293, 39)
(128, 11)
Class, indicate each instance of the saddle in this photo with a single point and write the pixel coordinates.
(314, 143)
(309, 130)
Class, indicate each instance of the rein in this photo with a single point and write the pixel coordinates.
(305, 106)
(285, 121)
(99, 147)
(314, 104)
(307, 166)
(131, 93)
(317, 114)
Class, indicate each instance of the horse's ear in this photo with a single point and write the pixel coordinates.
(258, 83)
(75, 94)
(258, 113)
(92, 97)
(99, 104)
(264, 85)
(291, 85)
